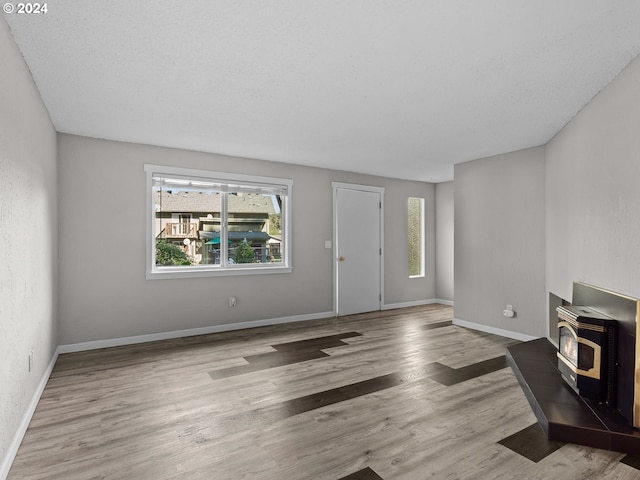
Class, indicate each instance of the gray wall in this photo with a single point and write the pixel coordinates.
(593, 193)
(103, 290)
(499, 241)
(444, 241)
(28, 239)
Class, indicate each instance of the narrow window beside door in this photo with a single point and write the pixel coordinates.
(415, 213)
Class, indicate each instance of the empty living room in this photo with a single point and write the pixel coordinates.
(319, 240)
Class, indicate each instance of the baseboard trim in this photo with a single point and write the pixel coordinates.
(7, 461)
(444, 302)
(118, 342)
(496, 331)
(416, 303)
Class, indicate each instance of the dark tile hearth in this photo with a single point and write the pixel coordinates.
(563, 415)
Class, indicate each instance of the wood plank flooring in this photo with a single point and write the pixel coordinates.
(401, 394)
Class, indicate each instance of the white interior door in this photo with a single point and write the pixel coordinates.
(358, 248)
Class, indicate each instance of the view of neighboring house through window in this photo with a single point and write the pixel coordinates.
(210, 223)
(416, 236)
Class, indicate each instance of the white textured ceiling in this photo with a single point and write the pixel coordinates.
(396, 88)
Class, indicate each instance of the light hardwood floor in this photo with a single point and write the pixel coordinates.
(401, 394)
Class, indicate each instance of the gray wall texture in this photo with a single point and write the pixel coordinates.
(444, 241)
(28, 239)
(593, 193)
(580, 192)
(499, 241)
(103, 290)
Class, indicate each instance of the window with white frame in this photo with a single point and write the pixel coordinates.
(415, 215)
(204, 223)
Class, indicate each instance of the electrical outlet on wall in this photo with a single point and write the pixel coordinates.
(232, 301)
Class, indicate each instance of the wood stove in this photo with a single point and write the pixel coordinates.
(587, 352)
(568, 417)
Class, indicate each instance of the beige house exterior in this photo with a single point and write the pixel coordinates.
(192, 220)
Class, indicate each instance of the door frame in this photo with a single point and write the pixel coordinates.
(362, 188)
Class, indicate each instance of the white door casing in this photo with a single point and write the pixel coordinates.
(358, 248)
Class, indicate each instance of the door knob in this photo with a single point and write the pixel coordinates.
(341, 259)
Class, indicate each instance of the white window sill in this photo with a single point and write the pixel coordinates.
(191, 272)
